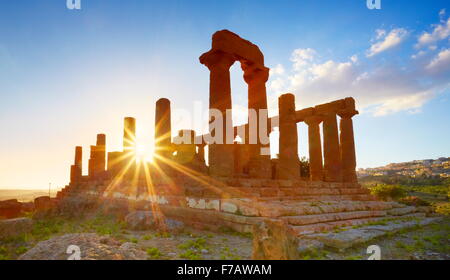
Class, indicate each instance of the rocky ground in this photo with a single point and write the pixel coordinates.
(102, 237)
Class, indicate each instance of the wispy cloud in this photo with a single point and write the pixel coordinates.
(386, 41)
(441, 62)
(440, 32)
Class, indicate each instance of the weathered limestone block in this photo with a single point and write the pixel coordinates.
(228, 206)
(10, 208)
(15, 227)
(274, 240)
(402, 211)
(43, 203)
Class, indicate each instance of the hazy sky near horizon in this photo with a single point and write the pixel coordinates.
(66, 75)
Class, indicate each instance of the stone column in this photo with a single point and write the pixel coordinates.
(201, 152)
(91, 163)
(331, 151)
(129, 136)
(101, 153)
(315, 148)
(347, 145)
(79, 157)
(115, 163)
(163, 137)
(256, 78)
(129, 147)
(220, 156)
(288, 165)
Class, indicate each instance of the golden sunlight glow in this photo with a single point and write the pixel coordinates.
(143, 152)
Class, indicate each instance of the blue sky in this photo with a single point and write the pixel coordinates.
(66, 75)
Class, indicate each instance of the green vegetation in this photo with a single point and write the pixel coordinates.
(154, 253)
(227, 254)
(134, 240)
(190, 255)
(414, 201)
(198, 244)
(387, 192)
(147, 237)
(443, 208)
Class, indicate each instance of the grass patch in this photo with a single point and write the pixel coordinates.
(154, 253)
(190, 255)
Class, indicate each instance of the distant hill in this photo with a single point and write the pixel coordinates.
(22, 195)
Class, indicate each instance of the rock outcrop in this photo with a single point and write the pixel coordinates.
(91, 247)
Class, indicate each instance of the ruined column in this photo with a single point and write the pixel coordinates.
(129, 136)
(256, 78)
(76, 168)
(288, 165)
(91, 163)
(115, 161)
(331, 151)
(79, 157)
(220, 155)
(347, 142)
(163, 137)
(315, 148)
(101, 153)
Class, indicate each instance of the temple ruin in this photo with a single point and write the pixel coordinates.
(240, 184)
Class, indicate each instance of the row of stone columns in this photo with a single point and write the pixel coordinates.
(339, 155)
(339, 162)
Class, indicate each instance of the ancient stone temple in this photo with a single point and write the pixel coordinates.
(239, 185)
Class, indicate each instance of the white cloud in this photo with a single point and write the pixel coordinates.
(378, 90)
(387, 41)
(418, 54)
(442, 13)
(302, 57)
(277, 70)
(440, 32)
(441, 62)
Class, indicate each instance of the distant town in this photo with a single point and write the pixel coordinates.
(417, 168)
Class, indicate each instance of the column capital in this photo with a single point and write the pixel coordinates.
(217, 59)
(253, 74)
(346, 113)
(313, 120)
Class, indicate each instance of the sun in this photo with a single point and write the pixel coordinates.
(143, 152)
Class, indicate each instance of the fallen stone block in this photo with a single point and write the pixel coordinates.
(14, 227)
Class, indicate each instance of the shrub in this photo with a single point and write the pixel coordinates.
(414, 201)
(443, 208)
(154, 253)
(387, 192)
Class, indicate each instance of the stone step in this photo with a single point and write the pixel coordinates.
(318, 198)
(331, 217)
(338, 225)
(349, 237)
(295, 208)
